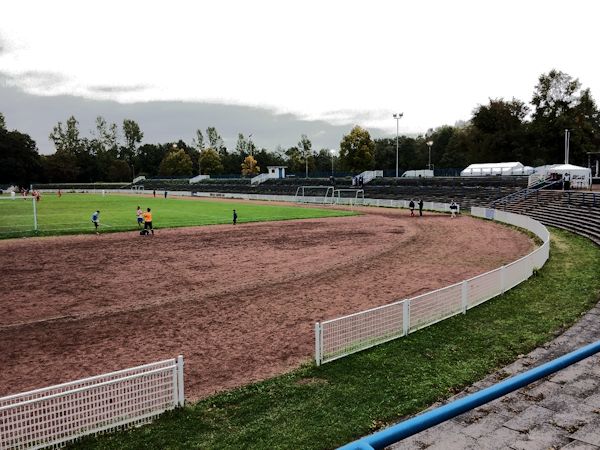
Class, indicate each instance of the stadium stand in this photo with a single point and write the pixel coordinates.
(473, 191)
(575, 211)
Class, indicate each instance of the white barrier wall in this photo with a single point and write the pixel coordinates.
(53, 416)
(343, 336)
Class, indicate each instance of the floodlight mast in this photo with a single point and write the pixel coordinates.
(397, 116)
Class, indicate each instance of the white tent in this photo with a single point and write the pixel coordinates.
(579, 177)
(505, 168)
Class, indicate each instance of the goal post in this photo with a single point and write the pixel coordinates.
(350, 197)
(18, 214)
(314, 194)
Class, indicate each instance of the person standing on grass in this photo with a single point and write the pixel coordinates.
(234, 217)
(165, 194)
(411, 205)
(96, 220)
(148, 221)
(154, 192)
(420, 207)
(140, 217)
(59, 194)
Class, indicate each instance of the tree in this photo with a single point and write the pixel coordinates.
(554, 94)
(118, 171)
(268, 158)
(322, 161)
(2, 123)
(104, 146)
(133, 136)
(67, 139)
(149, 157)
(61, 167)
(499, 131)
(304, 146)
(20, 162)
(106, 136)
(214, 139)
(356, 150)
(241, 146)
(249, 166)
(560, 103)
(210, 161)
(384, 154)
(199, 141)
(176, 163)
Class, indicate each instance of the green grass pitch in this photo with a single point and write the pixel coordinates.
(71, 213)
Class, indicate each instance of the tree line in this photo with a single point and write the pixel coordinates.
(499, 131)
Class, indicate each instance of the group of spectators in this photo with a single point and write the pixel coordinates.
(358, 181)
(411, 206)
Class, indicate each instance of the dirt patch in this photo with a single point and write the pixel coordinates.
(239, 302)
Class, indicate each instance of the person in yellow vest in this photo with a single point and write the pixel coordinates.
(148, 221)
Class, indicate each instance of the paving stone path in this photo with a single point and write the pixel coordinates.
(561, 411)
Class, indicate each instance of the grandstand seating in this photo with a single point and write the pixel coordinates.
(472, 191)
(575, 211)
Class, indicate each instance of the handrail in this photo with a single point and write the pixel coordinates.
(436, 416)
(524, 193)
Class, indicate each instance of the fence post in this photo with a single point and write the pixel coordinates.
(35, 224)
(318, 344)
(180, 391)
(502, 279)
(405, 317)
(465, 296)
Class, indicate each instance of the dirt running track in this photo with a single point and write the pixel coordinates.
(239, 302)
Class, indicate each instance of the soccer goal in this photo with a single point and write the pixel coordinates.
(314, 194)
(350, 197)
(18, 214)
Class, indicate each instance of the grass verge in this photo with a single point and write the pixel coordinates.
(316, 408)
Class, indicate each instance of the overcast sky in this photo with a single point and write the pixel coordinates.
(277, 69)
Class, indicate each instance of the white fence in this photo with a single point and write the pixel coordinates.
(380, 202)
(53, 416)
(346, 335)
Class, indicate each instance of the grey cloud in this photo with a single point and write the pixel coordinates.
(117, 89)
(353, 116)
(36, 79)
(165, 121)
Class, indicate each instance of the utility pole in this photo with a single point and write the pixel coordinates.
(567, 139)
(397, 116)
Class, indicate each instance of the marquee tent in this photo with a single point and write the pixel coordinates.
(579, 177)
(505, 168)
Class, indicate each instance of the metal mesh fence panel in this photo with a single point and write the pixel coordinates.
(484, 287)
(53, 416)
(346, 335)
(517, 272)
(434, 306)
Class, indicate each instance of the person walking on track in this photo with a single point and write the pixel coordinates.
(453, 209)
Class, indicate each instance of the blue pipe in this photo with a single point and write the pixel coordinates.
(409, 427)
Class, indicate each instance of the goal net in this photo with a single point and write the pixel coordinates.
(350, 197)
(17, 215)
(314, 194)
